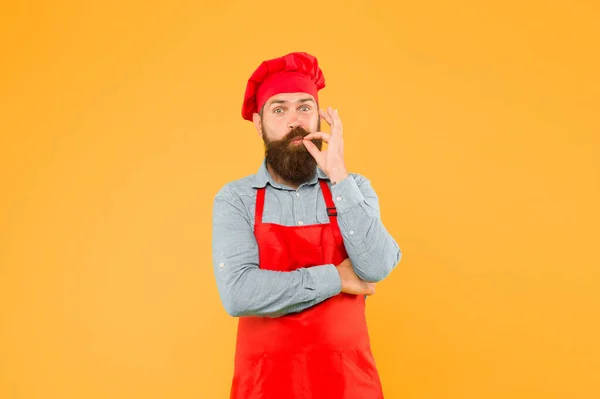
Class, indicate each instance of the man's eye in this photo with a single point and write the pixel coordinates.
(305, 108)
(276, 110)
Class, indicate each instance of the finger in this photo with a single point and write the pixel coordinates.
(324, 113)
(336, 127)
(338, 121)
(313, 150)
(330, 114)
(334, 122)
(325, 117)
(318, 135)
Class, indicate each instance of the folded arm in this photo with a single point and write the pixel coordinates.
(373, 251)
(247, 290)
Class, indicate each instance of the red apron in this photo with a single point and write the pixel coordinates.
(321, 352)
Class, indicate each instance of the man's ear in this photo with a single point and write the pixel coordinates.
(257, 123)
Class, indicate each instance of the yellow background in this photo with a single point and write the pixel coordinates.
(477, 125)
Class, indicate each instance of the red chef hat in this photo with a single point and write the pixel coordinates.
(292, 73)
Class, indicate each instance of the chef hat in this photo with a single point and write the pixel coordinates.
(292, 73)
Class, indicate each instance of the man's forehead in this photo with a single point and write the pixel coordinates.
(283, 98)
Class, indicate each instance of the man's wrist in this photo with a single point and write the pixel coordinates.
(337, 176)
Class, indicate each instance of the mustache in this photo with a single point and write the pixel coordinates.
(295, 133)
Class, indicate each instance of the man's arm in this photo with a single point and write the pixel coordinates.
(371, 249)
(247, 290)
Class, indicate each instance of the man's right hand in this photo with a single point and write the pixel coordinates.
(351, 283)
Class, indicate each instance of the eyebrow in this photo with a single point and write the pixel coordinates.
(302, 100)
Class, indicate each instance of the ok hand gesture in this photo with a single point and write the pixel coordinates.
(331, 160)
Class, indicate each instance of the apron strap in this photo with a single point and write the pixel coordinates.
(331, 212)
(260, 206)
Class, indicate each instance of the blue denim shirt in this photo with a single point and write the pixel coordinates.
(247, 290)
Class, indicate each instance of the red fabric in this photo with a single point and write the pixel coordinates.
(320, 353)
(293, 73)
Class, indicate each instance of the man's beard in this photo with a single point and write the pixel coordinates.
(292, 162)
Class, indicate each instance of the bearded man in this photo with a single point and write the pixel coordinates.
(298, 247)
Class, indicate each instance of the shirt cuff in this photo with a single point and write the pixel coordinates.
(327, 281)
(346, 194)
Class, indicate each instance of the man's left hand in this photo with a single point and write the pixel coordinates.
(331, 160)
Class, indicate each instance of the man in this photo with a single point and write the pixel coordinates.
(297, 248)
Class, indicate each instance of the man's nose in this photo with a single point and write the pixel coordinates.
(293, 123)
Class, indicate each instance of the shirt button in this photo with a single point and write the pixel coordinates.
(297, 194)
(351, 231)
(339, 199)
(221, 264)
(300, 223)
